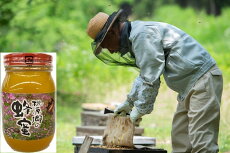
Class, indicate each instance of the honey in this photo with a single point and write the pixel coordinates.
(28, 96)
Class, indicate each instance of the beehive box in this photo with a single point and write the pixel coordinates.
(121, 150)
(97, 140)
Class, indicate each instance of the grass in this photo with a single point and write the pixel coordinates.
(68, 117)
(158, 123)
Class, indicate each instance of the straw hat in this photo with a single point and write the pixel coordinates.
(96, 24)
(99, 22)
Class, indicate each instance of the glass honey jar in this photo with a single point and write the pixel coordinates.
(28, 101)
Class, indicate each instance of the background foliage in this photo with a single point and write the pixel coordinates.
(59, 26)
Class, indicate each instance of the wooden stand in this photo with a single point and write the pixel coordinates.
(86, 144)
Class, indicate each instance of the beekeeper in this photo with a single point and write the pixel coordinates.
(158, 48)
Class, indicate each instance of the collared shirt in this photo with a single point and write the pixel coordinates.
(161, 48)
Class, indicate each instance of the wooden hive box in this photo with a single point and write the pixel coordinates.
(97, 140)
(104, 150)
(99, 130)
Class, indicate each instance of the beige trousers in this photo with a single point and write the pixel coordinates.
(195, 124)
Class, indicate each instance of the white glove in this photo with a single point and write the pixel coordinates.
(123, 108)
(135, 116)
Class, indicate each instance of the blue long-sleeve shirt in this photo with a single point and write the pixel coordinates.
(161, 48)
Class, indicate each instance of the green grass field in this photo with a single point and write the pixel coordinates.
(106, 84)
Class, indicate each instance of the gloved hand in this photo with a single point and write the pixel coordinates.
(123, 108)
(135, 116)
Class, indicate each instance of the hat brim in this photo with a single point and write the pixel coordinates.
(98, 44)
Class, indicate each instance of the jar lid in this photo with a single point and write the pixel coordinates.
(27, 59)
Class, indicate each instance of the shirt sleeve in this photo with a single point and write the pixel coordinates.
(133, 95)
(143, 95)
(149, 55)
(146, 97)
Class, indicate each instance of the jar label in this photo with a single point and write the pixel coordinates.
(28, 116)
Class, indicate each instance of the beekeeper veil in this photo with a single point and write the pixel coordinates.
(124, 56)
